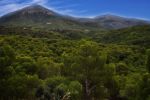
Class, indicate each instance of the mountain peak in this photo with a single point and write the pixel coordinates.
(35, 8)
(109, 16)
(28, 15)
(36, 5)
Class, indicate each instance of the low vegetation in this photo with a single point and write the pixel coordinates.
(111, 65)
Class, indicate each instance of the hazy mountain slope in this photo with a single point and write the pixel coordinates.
(138, 35)
(117, 22)
(113, 21)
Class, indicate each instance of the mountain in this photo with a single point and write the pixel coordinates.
(32, 13)
(39, 16)
(117, 22)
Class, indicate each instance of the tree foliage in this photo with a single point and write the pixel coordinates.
(54, 67)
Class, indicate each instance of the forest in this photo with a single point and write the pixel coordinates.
(59, 64)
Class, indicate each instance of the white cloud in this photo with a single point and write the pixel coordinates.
(67, 11)
(38, 1)
(68, 6)
(7, 6)
(56, 2)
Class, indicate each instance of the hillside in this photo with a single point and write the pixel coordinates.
(48, 56)
(138, 35)
(32, 67)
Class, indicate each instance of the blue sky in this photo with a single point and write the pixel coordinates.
(85, 8)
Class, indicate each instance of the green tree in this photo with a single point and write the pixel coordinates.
(144, 88)
(122, 69)
(20, 86)
(7, 57)
(26, 64)
(87, 64)
(60, 88)
(47, 68)
(148, 61)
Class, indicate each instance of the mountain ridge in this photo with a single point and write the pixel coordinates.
(39, 15)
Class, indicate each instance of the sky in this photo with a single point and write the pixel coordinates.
(85, 8)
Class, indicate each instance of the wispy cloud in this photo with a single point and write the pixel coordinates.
(67, 9)
(7, 6)
(39, 2)
(68, 6)
(56, 2)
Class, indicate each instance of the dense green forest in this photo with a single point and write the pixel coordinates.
(38, 64)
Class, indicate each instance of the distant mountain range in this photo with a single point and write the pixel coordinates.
(38, 16)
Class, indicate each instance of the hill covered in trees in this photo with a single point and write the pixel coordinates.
(66, 68)
(138, 35)
(78, 62)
